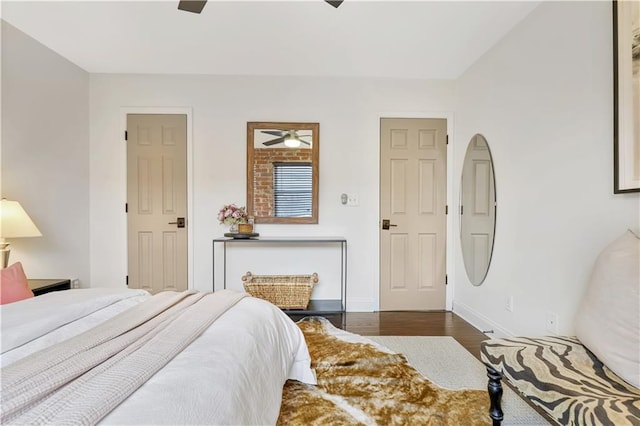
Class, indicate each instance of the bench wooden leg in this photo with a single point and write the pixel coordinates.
(495, 396)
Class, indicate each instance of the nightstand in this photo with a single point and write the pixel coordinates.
(45, 286)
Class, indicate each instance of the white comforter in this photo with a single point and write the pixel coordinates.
(232, 374)
(39, 322)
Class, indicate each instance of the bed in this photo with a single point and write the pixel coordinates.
(231, 373)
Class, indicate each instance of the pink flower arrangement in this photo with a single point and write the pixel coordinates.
(231, 214)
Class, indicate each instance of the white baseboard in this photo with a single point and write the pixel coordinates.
(479, 321)
(360, 305)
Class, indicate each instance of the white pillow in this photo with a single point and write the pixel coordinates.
(608, 319)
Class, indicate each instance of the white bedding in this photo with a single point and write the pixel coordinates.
(232, 374)
(39, 322)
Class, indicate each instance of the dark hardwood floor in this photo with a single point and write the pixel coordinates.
(416, 324)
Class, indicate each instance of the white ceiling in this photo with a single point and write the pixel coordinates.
(413, 39)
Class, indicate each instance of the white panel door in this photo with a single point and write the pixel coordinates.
(413, 160)
(157, 201)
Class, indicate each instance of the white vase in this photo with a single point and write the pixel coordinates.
(233, 228)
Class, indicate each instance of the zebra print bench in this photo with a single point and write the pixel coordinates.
(564, 379)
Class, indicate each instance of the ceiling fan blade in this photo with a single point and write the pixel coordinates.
(273, 141)
(334, 3)
(305, 142)
(193, 6)
(274, 132)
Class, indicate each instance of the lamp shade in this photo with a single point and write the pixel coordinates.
(15, 222)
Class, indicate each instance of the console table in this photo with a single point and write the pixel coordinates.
(323, 307)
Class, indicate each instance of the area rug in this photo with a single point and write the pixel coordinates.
(448, 364)
(363, 383)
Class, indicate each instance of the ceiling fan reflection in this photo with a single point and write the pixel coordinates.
(290, 138)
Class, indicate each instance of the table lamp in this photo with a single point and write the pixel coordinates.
(14, 223)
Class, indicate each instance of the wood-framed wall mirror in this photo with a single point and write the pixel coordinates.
(283, 172)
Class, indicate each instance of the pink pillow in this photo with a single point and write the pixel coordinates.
(13, 284)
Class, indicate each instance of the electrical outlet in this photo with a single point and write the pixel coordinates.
(552, 322)
(509, 305)
(75, 283)
(353, 200)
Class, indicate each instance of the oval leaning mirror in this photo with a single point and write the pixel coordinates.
(282, 172)
(477, 209)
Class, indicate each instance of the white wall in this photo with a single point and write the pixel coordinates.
(543, 99)
(348, 111)
(45, 155)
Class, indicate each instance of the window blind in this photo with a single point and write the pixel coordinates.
(292, 189)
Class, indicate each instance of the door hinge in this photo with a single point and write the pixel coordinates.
(446, 209)
(461, 209)
(126, 207)
(447, 139)
(446, 279)
(126, 135)
(127, 280)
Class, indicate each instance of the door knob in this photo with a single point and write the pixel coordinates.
(386, 223)
(179, 221)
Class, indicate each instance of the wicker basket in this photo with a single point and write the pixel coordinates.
(284, 291)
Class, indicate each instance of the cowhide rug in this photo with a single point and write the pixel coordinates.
(362, 383)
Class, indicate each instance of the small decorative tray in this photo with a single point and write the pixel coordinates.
(241, 235)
